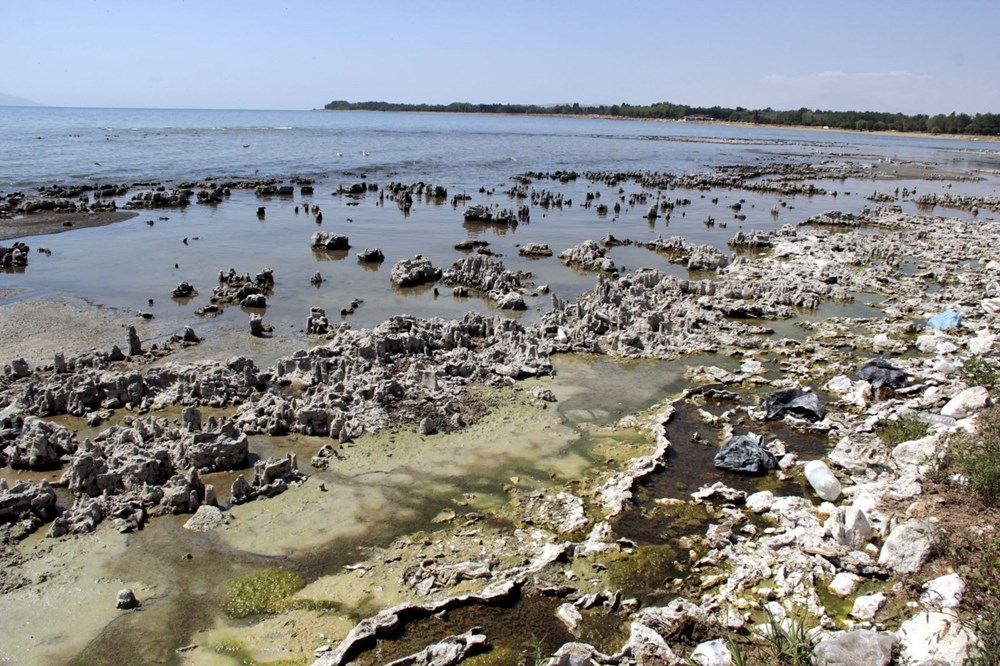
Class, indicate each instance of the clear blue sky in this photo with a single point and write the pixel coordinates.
(912, 56)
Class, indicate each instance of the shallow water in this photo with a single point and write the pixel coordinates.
(127, 264)
(387, 486)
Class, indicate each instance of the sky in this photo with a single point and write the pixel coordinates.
(908, 56)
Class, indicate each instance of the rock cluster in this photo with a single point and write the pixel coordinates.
(271, 477)
(178, 198)
(482, 214)
(693, 257)
(15, 256)
(589, 256)
(488, 276)
(146, 467)
(249, 292)
(397, 372)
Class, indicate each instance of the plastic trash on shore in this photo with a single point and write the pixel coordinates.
(879, 372)
(928, 417)
(746, 454)
(945, 320)
(794, 401)
(822, 480)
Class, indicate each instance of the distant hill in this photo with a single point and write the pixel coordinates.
(14, 100)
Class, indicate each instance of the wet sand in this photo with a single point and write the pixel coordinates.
(43, 224)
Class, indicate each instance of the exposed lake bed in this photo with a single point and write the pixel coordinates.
(516, 463)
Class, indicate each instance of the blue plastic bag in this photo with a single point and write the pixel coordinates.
(945, 320)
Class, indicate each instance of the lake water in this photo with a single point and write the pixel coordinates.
(127, 264)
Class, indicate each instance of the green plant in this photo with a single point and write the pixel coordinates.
(736, 652)
(533, 653)
(978, 371)
(904, 429)
(977, 561)
(977, 456)
(788, 641)
(262, 592)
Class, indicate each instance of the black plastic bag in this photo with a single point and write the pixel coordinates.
(746, 454)
(794, 401)
(879, 372)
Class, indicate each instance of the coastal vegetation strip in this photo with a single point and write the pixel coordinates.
(983, 124)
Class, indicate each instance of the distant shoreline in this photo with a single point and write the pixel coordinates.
(725, 123)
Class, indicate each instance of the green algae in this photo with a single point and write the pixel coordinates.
(262, 593)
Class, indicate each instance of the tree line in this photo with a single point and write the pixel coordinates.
(953, 123)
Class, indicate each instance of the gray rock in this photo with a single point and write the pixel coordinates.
(326, 240)
(851, 648)
(134, 344)
(967, 403)
(205, 518)
(371, 256)
(126, 600)
(907, 547)
(414, 272)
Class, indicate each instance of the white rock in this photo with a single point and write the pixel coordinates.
(936, 343)
(712, 653)
(943, 366)
(866, 607)
(205, 518)
(934, 639)
(916, 451)
(943, 592)
(844, 584)
(840, 384)
(570, 616)
(968, 402)
(882, 342)
(851, 648)
(848, 526)
(907, 547)
(760, 502)
(983, 343)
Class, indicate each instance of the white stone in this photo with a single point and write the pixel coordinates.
(933, 638)
(570, 616)
(840, 384)
(983, 343)
(853, 648)
(866, 607)
(907, 547)
(712, 653)
(943, 592)
(848, 526)
(844, 584)
(936, 343)
(968, 402)
(205, 518)
(882, 342)
(761, 501)
(916, 451)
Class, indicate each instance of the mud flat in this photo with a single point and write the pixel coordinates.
(500, 490)
(44, 224)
